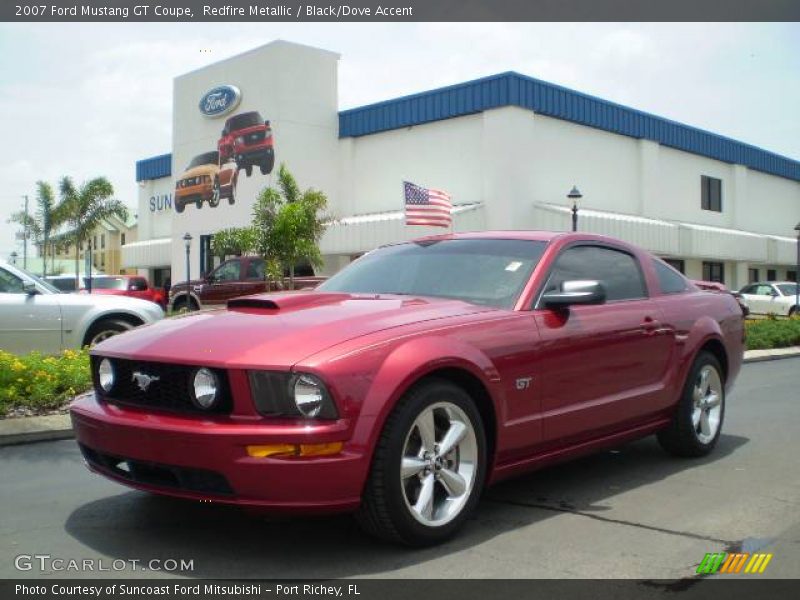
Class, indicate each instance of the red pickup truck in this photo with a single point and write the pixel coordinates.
(247, 139)
(134, 286)
(238, 276)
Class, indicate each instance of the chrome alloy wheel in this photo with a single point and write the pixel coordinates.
(103, 335)
(439, 464)
(707, 404)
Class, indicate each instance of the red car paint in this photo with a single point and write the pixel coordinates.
(134, 286)
(247, 139)
(602, 374)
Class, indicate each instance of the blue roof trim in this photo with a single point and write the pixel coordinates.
(513, 89)
(154, 167)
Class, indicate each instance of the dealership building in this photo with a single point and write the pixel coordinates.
(508, 148)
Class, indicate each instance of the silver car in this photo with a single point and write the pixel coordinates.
(34, 315)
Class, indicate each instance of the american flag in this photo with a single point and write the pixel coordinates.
(427, 207)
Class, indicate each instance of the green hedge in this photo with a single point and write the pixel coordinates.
(41, 382)
(769, 333)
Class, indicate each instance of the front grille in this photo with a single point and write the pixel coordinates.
(159, 475)
(172, 390)
(253, 138)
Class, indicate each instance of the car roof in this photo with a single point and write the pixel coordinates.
(525, 234)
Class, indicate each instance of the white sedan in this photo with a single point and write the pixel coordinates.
(771, 298)
(34, 315)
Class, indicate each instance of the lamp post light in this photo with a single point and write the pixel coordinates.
(13, 257)
(574, 195)
(187, 241)
(797, 272)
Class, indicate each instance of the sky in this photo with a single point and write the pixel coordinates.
(86, 100)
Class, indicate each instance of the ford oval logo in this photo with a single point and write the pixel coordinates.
(220, 100)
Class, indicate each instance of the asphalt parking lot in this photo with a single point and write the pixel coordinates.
(632, 512)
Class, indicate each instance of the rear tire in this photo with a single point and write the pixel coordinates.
(428, 469)
(697, 423)
(104, 329)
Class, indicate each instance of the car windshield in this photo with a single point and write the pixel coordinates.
(107, 283)
(209, 158)
(45, 284)
(250, 119)
(491, 272)
(787, 289)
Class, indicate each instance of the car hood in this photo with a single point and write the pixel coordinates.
(277, 330)
(200, 170)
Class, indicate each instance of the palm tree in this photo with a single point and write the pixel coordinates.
(46, 219)
(85, 207)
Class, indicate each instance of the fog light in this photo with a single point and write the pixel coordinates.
(105, 374)
(206, 388)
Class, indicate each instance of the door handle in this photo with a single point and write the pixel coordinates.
(650, 326)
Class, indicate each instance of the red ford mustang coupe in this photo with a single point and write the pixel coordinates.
(406, 383)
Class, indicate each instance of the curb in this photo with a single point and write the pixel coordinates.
(27, 430)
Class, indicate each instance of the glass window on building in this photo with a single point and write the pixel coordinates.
(122, 239)
(711, 193)
(714, 271)
(102, 240)
(791, 275)
(752, 275)
(772, 275)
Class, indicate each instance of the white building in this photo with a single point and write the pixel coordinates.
(508, 148)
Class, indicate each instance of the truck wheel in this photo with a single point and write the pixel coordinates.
(184, 305)
(214, 201)
(697, 423)
(178, 206)
(268, 164)
(232, 193)
(248, 169)
(104, 329)
(428, 469)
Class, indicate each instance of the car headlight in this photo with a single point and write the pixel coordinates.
(205, 386)
(105, 375)
(240, 140)
(282, 394)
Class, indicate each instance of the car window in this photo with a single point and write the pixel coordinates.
(208, 158)
(750, 289)
(669, 280)
(107, 283)
(228, 271)
(618, 271)
(255, 269)
(10, 283)
(787, 289)
(137, 284)
(764, 290)
(482, 271)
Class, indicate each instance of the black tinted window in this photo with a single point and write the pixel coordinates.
(669, 280)
(618, 271)
(255, 269)
(250, 119)
(209, 158)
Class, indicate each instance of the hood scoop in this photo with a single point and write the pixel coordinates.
(290, 301)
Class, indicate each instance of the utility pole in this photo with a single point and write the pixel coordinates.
(25, 237)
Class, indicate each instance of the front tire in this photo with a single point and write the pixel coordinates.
(428, 469)
(697, 423)
(104, 329)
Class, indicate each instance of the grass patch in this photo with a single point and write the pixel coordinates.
(40, 382)
(768, 333)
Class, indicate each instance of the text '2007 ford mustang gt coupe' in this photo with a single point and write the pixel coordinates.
(419, 374)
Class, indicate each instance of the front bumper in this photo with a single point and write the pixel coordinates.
(253, 154)
(205, 459)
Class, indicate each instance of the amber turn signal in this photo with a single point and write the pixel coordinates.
(295, 450)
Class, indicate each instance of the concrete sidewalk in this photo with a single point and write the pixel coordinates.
(25, 430)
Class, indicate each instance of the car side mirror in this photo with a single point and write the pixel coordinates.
(575, 292)
(29, 288)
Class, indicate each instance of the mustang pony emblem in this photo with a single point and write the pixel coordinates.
(143, 380)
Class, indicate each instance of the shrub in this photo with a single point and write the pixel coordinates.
(42, 382)
(773, 333)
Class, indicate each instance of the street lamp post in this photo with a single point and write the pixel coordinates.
(797, 271)
(574, 195)
(13, 257)
(187, 241)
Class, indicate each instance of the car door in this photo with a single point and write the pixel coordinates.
(28, 321)
(763, 299)
(224, 282)
(751, 298)
(601, 366)
(253, 277)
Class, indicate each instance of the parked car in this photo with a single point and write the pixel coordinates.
(64, 283)
(413, 378)
(35, 315)
(247, 138)
(234, 277)
(204, 180)
(771, 298)
(134, 286)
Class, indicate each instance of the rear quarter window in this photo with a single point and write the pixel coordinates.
(669, 280)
